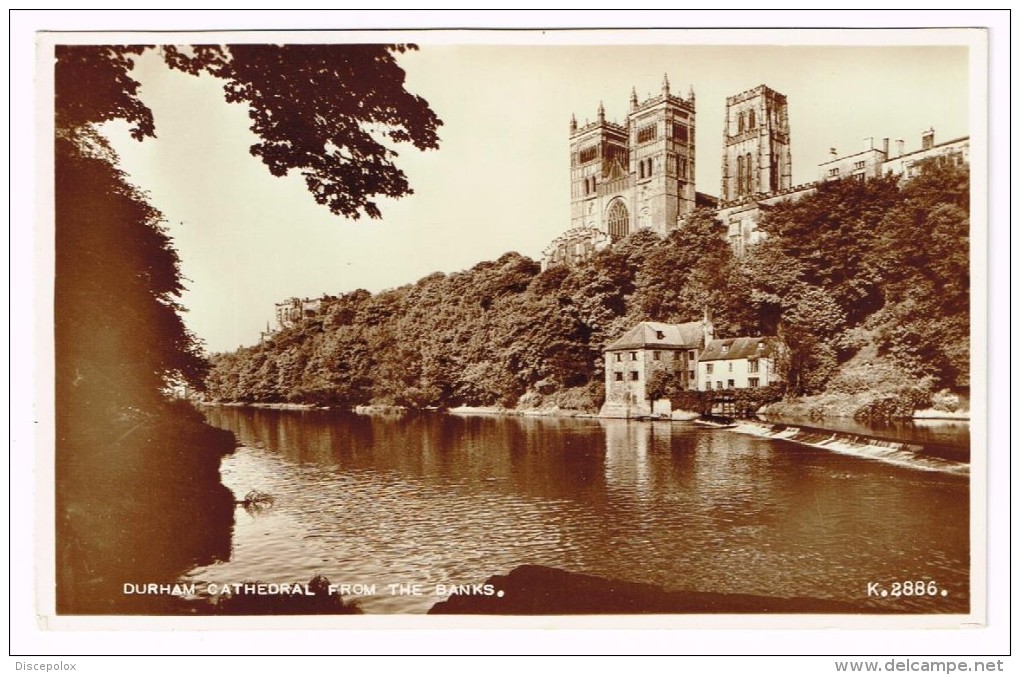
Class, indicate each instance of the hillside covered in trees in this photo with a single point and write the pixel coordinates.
(867, 283)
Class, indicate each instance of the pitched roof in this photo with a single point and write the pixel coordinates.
(736, 348)
(646, 334)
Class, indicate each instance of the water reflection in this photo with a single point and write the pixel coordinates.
(433, 498)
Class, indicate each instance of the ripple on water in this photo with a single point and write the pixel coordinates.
(455, 501)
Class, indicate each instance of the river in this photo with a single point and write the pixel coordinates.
(433, 499)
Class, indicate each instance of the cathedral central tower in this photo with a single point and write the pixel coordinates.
(756, 145)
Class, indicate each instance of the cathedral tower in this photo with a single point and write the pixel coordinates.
(595, 149)
(756, 145)
(662, 159)
(636, 175)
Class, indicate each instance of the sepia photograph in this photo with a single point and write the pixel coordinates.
(671, 327)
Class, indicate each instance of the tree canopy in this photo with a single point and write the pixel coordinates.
(329, 112)
(877, 269)
(324, 111)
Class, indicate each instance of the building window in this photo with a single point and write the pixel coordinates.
(834, 171)
(646, 133)
(718, 384)
(690, 375)
(708, 385)
(619, 377)
(659, 335)
(752, 366)
(740, 123)
(648, 171)
(752, 382)
(680, 132)
(619, 221)
(725, 349)
(634, 375)
(708, 368)
(633, 356)
(729, 384)
(619, 356)
(589, 154)
(859, 165)
(655, 356)
(750, 120)
(691, 355)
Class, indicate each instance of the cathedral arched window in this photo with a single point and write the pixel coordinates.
(740, 175)
(618, 220)
(749, 179)
(750, 120)
(740, 123)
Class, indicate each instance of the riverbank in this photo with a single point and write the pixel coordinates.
(865, 405)
(139, 499)
(539, 590)
(519, 412)
(267, 406)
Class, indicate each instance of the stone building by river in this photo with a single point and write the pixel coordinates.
(687, 352)
(738, 363)
(646, 349)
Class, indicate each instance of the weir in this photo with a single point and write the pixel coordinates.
(923, 456)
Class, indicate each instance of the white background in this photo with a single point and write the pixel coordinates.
(28, 408)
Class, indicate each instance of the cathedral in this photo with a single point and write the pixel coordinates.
(641, 174)
(636, 175)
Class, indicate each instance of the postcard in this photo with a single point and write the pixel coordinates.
(661, 328)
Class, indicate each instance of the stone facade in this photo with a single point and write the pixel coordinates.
(573, 246)
(883, 159)
(740, 218)
(874, 160)
(639, 174)
(649, 348)
(756, 145)
(292, 310)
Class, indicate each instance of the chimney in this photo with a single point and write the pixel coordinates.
(707, 329)
(899, 147)
(885, 147)
(832, 153)
(928, 139)
(869, 143)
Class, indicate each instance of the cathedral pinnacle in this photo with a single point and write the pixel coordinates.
(633, 98)
(665, 84)
(573, 123)
(690, 94)
(602, 112)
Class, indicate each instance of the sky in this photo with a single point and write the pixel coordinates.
(499, 181)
